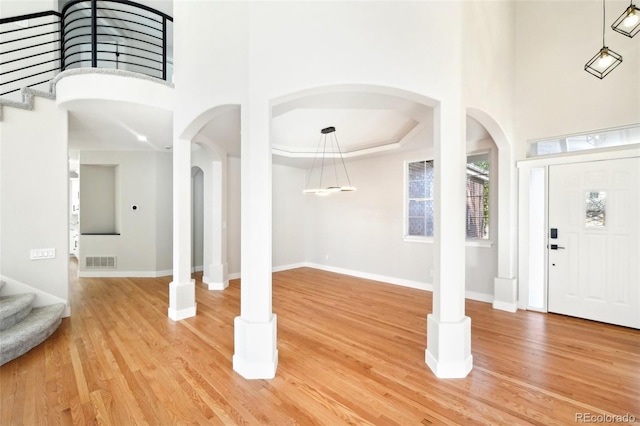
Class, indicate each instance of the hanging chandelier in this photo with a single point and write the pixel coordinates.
(606, 59)
(629, 22)
(331, 177)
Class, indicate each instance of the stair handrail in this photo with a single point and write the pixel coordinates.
(32, 49)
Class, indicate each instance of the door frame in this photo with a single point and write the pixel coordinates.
(532, 254)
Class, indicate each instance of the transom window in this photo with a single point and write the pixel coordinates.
(420, 201)
(597, 140)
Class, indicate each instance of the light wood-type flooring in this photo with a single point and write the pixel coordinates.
(351, 351)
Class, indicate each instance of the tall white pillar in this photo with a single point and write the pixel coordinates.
(182, 292)
(505, 285)
(448, 352)
(215, 263)
(256, 353)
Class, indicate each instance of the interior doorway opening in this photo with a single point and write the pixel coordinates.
(197, 219)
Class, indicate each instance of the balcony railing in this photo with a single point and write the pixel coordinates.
(116, 34)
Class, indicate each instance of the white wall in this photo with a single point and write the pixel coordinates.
(362, 232)
(394, 44)
(98, 189)
(233, 217)
(34, 212)
(554, 95)
(288, 218)
(489, 59)
(145, 232)
(164, 211)
(10, 8)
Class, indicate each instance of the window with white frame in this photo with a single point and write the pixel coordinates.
(419, 207)
(420, 199)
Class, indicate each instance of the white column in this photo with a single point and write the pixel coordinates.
(448, 352)
(182, 293)
(256, 353)
(505, 285)
(215, 265)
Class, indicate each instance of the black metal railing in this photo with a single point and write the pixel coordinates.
(115, 34)
(29, 50)
(118, 34)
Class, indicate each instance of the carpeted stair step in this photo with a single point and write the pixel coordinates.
(14, 308)
(30, 332)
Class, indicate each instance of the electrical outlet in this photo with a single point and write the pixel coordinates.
(38, 254)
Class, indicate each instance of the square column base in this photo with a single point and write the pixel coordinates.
(217, 278)
(182, 300)
(448, 352)
(505, 294)
(256, 352)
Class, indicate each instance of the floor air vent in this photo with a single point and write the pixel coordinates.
(100, 262)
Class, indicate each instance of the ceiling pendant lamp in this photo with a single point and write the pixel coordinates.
(629, 22)
(606, 59)
(332, 178)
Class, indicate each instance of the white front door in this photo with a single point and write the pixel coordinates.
(594, 259)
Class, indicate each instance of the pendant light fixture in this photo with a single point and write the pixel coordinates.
(606, 59)
(329, 155)
(629, 22)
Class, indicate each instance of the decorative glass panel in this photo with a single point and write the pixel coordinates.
(596, 206)
(416, 226)
(429, 219)
(428, 177)
(416, 208)
(416, 170)
(420, 203)
(417, 189)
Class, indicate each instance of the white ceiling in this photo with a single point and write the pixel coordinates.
(116, 126)
(366, 125)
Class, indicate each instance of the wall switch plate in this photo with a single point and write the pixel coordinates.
(38, 254)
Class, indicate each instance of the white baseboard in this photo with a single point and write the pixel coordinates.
(472, 295)
(505, 306)
(374, 277)
(480, 297)
(287, 267)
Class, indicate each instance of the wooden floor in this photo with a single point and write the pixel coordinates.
(351, 351)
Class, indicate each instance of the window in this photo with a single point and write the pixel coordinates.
(596, 140)
(419, 206)
(420, 187)
(478, 196)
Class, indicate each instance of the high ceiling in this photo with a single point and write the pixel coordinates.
(366, 125)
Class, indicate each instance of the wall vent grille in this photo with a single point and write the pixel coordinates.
(100, 262)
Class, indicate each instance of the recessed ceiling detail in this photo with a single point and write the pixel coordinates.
(360, 129)
(369, 123)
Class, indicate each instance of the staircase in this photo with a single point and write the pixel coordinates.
(23, 327)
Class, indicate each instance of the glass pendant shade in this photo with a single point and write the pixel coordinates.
(629, 22)
(331, 177)
(603, 62)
